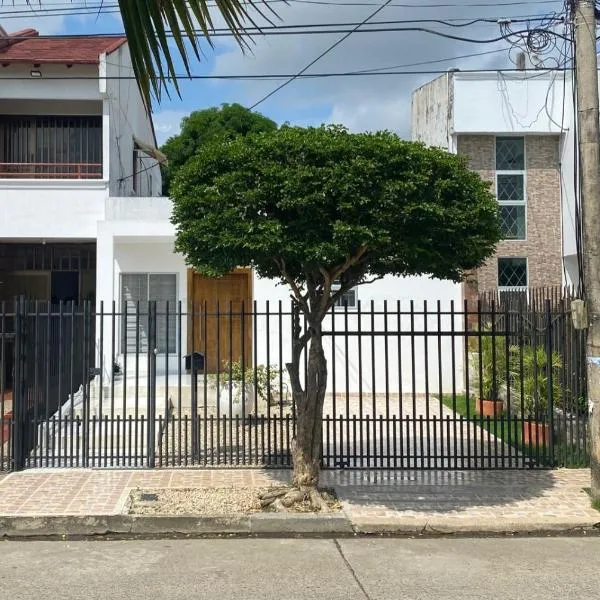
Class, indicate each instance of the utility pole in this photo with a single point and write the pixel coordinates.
(588, 121)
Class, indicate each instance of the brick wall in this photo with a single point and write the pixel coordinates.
(542, 247)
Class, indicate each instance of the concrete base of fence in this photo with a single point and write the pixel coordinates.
(16, 527)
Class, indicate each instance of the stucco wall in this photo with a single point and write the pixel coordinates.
(128, 117)
(432, 112)
(361, 365)
(51, 209)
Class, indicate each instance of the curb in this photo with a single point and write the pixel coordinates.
(480, 528)
(16, 527)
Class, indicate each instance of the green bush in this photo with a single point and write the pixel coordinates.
(492, 354)
(530, 373)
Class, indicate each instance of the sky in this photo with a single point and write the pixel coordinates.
(360, 103)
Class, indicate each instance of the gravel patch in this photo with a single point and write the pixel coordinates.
(211, 501)
(196, 501)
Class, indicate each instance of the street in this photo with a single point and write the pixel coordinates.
(307, 569)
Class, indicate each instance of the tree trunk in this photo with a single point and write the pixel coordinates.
(308, 442)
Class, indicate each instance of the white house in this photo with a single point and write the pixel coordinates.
(81, 218)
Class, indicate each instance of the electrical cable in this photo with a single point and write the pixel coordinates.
(275, 77)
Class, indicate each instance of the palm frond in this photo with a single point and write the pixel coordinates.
(149, 25)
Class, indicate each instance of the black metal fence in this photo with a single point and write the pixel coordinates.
(411, 386)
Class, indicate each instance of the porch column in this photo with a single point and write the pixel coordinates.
(105, 294)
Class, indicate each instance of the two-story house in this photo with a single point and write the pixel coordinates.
(516, 130)
(76, 143)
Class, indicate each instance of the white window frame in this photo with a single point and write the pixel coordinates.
(512, 288)
(122, 341)
(339, 303)
(521, 172)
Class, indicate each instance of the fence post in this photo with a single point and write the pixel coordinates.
(151, 400)
(550, 367)
(20, 385)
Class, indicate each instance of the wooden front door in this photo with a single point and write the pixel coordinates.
(217, 326)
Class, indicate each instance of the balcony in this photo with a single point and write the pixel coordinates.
(54, 147)
(50, 170)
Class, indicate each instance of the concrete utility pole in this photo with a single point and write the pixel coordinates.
(588, 121)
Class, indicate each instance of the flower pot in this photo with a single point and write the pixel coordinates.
(231, 404)
(490, 408)
(537, 434)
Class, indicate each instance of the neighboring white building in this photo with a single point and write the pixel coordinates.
(517, 130)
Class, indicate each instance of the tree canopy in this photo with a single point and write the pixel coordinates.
(316, 206)
(298, 202)
(209, 125)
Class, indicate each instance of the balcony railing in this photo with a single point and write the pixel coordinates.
(51, 170)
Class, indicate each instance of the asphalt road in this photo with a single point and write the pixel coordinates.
(265, 569)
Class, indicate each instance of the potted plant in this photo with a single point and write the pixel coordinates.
(245, 385)
(492, 356)
(530, 372)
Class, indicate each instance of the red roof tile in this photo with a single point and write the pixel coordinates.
(25, 46)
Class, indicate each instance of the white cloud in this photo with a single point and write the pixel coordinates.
(361, 103)
(167, 123)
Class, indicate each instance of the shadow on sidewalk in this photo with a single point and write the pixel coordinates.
(434, 491)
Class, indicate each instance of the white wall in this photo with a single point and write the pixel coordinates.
(511, 102)
(366, 359)
(76, 83)
(135, 255)
(128, 118)
(51, 209)
(432, 112)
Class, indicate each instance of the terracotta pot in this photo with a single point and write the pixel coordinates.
(537, 434)
(490, 408)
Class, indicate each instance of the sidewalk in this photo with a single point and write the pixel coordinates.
(372, 501)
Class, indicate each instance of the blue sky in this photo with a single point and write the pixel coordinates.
(360, 103)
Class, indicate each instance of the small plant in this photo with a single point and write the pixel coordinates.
(262, 377)
(493, 364)
(530, 374)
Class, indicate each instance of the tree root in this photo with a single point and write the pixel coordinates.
(288, 500)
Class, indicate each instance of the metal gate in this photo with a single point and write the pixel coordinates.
(406, 386)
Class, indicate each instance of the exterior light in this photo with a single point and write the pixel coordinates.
(35, 73)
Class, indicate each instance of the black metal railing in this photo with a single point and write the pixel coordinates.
(410, 386)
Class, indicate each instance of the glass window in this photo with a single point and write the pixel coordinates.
(347, 299)
(510, 154)
(510, 187)
(137, 289)
(512, 220)
(512, 272)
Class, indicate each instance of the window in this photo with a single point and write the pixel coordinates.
(56, 147)
(512, 273)
(348, 298)
(510, 187)
(137, 289)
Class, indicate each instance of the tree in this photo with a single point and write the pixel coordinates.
(311, 207)
(152, 25)
(204, 126)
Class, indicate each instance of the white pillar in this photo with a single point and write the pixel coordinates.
(105, 294)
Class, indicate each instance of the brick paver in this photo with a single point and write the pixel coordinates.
(371, 499)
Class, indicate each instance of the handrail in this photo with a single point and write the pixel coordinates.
(48, 170)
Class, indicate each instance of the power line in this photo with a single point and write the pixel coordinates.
(268, 29)
(319, 57)
(276, 76)
(103, 7)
